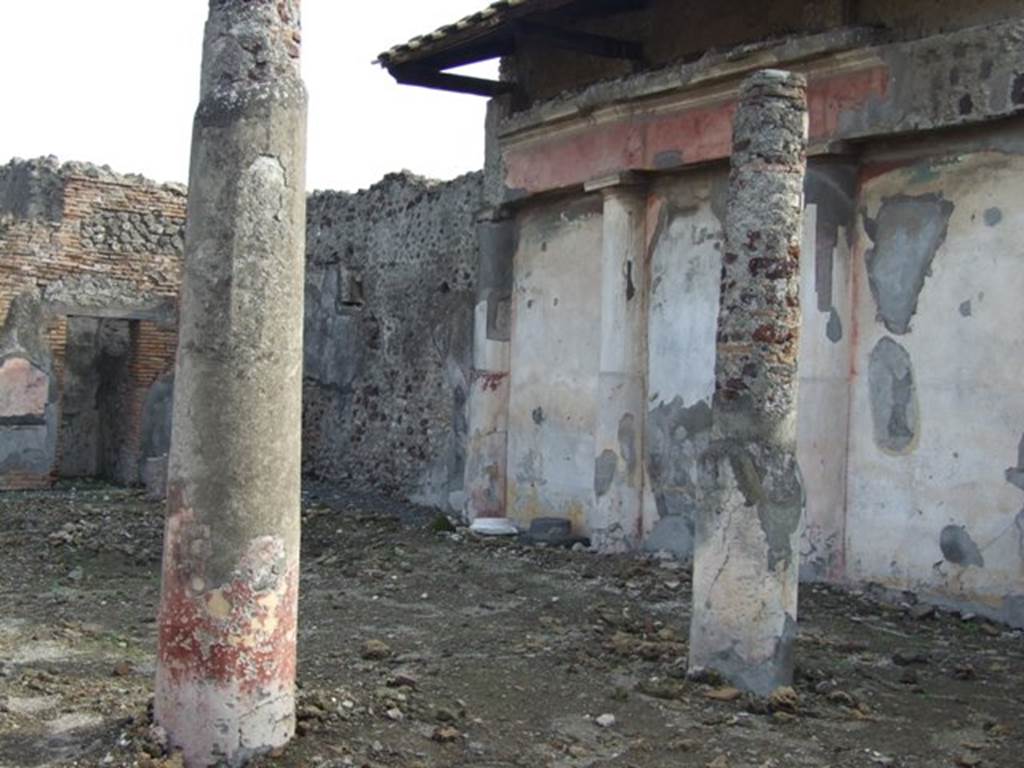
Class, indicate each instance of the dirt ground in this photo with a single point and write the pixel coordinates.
(426, 648)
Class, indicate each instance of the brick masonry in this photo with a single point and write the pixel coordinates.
(89, 242)
(390, 278)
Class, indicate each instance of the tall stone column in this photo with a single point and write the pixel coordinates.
(487, 449)
(747, 537)
(618, 463)
(227, 629)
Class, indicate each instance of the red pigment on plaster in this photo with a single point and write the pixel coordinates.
(830, 96)
(697, 135)
(489, 380)
(194, 644)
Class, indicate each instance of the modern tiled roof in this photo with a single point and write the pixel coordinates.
(474, 26)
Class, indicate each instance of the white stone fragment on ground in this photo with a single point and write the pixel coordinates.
(493, 526)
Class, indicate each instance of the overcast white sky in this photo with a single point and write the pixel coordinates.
(117, 81)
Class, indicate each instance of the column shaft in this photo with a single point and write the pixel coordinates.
(747, 537)
(227, 629)
(487, 449)
(618, 463)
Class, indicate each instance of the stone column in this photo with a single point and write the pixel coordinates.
(227, 630)
(487, 450)
(747, 537)
(618, 464)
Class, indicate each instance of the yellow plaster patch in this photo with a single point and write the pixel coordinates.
(217, 605)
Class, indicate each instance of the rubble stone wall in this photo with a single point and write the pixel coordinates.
(389, 300)
(390, 281)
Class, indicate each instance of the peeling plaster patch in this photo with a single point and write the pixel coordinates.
(958, 547)
(676, 435)
(627, 441)
(672, 451)
(993, 216)
(893, 396)
(834, 328)
(604, 471)
(778, 507)
(965, 308)
(907, 233)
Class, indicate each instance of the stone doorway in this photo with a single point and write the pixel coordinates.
(97, 415)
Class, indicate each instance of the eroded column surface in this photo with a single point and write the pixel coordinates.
(618, 465)
(227, 630)
(487, 449)
(747, 536)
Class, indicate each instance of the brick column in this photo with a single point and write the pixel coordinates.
(747, 537)
(618, 463)
(227, 632)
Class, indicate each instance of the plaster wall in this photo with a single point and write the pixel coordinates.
(685, 244)
(555, 351)
(910, 418)
(937, 417)
(826, 334)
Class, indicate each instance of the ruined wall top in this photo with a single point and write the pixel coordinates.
(31, 189)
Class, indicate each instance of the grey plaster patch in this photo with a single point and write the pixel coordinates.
(671, 534)
(958, 547)
(993, 216)
(965, 308)
(497, 242)
(1018, 523)
(831, 186)
(676, 435)
(765, 677)
(1013, 610)
(907, 232)
(1015, 474)
(834, 327)
(604, 471)
(26, 448)
(778, 497)
(668, 159)
(893, 396)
